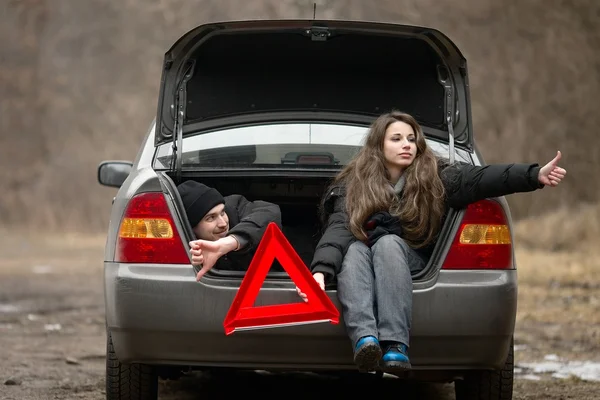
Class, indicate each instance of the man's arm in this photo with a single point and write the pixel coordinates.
(254, 217)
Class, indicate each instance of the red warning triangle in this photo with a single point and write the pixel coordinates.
(243, 313)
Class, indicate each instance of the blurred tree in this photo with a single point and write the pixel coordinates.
(23, 151)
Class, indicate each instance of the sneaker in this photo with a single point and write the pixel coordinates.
(367, 353)
(395, 358)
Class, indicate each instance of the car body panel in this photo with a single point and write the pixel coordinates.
(159, 314)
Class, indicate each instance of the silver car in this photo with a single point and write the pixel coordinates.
(272, 110)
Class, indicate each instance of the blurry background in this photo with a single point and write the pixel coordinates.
(79, 80)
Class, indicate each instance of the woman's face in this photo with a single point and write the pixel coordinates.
(399, 145)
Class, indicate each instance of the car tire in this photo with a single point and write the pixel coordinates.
(128, 381)
(488, 385)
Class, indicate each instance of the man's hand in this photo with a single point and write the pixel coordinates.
(207, 253)
(319, 278)
(551, 174)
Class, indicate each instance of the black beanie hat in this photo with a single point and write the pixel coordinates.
(198, 199)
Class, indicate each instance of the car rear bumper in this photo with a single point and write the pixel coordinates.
(161, 315)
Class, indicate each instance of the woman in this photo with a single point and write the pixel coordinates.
(383, 214)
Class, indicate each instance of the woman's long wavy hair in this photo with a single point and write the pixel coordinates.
(420, 207)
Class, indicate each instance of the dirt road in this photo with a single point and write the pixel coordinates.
(52, 336)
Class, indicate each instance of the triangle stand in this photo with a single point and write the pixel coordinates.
(243, 315)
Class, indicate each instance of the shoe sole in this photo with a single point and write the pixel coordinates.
(367, 357)
(396, 366)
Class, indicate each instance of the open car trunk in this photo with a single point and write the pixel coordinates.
(298, 199)
(221, 75)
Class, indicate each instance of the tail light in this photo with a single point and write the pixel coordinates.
(148, 234)
(483, 240)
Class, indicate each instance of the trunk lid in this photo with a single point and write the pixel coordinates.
(233, 73)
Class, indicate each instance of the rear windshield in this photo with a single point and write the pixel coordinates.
(277, 146)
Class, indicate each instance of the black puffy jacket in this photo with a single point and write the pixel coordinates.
(464, 184)
(248, 221)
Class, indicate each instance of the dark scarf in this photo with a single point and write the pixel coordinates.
(382, 222)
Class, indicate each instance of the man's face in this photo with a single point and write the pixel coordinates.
(214, 225)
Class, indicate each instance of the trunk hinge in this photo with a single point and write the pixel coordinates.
(450, 121)
(444, 78)
(180, 102)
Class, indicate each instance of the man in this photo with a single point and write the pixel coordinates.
(228, 228)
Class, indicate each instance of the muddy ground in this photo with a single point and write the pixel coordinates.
(52, 336)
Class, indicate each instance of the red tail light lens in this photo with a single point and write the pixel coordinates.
(147, 233)
(483, 240)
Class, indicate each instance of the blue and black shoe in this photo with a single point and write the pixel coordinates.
(367, 353)
(395, 358)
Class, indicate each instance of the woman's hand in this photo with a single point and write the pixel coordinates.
(551, 174)
(319, 278)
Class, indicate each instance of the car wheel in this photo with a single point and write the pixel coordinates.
(128, 381)
(488, 385)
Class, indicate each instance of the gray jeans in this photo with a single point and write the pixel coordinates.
(375, 289)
